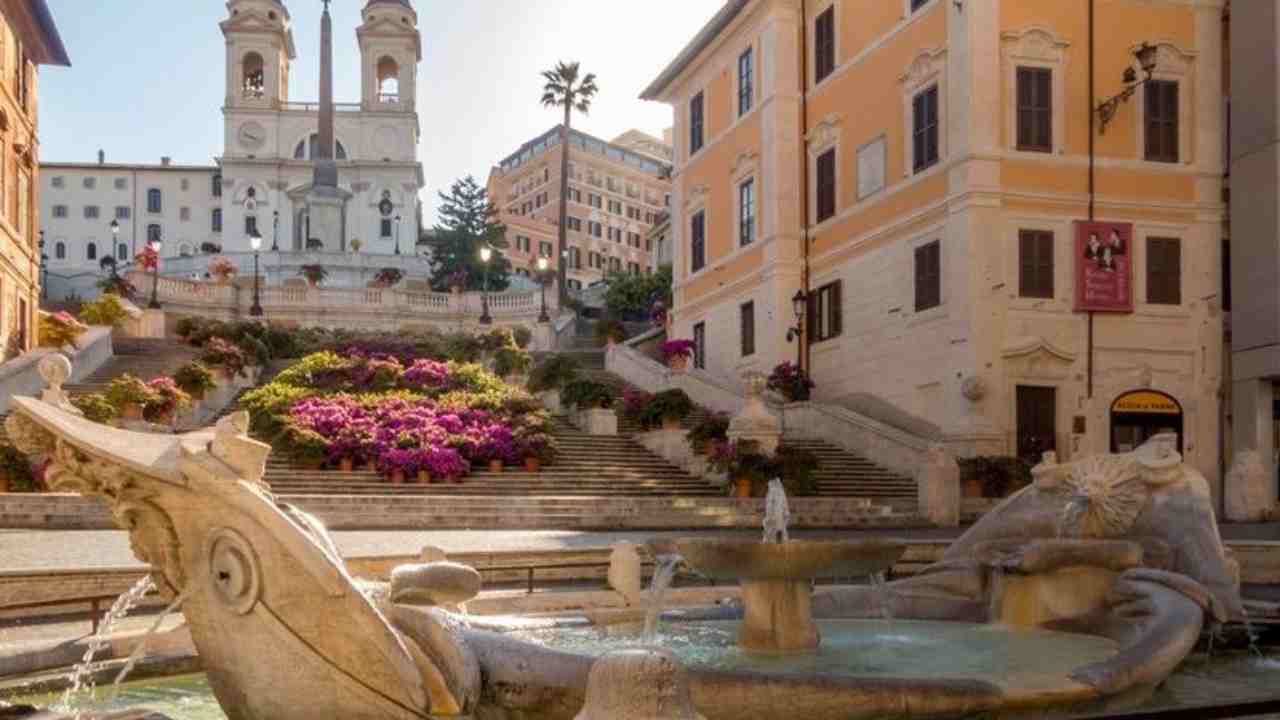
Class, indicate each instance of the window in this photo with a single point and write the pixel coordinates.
(384, 228)
(747, 212)
(250, 225)
(123, 212)
(215, 220)
(575, 258)
(700, 346)
(60, 250)
(595, 201)
(924, 114)
(544, 249)
(824, 45)
(747, 325)
(1035, 264)
(917, 4)
(595, 229)
(59, 211)
(929, 276)
(615, 207)
(1035, 109)
(216, 185)
(695, 124)
(184, 184)
(122, 252)
(153, 233)
(574, 223)
(57, 181)
(575, 195)
(121, 183)
(698, 241)
(1164, 271)
(91, 251)
(184, 214)
(826, 186)
(253, 77)
(1162, 121)
(574, 284)
(154, 201)
(307, 149)
(746, 81)
(826, 314)
(90, 212)
(388, 80)
(89, 183)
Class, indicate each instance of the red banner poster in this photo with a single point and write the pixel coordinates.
(1104, 262)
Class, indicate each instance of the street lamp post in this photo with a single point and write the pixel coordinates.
(799, 303)
(44, 269)
(155, 275)
(255, 243)
(486, 253)
(115, 239)
(275, 231)
(543, 265)
(397, 234)
(1148, 56)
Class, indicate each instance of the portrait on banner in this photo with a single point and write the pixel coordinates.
(1104, 267)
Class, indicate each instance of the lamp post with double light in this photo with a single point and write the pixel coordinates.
(255, 244)
(486, 254)
(543, 266)
(155, 246)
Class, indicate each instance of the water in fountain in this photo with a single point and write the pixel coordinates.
(777, 513)
(80, 681)
(141, 647)
(664, 572)
(883, 599)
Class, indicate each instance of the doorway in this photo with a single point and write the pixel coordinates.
(1037, 422)
(1139, 415)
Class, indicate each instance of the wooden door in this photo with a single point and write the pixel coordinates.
(1037, 421)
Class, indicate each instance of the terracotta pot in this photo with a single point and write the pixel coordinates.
(4, 482)
(397, 477)
(679, 362)
(742, 487)
(424, 477)
(347, 464)
(313, 464)
(973, 488)
(495, 466)
(131, 412)
(532, 464)
(670, 423)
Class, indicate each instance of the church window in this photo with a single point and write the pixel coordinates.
(388, 80)
(386, 228)
(60, 251)
(250, 225)
(255, 78)
(217, 220)
(91, 251)
(154, 201)
(306, 149)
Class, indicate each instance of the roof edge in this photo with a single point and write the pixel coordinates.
(718, 23)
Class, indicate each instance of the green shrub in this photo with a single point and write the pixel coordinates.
(671, 404)
(106, 310)
(631, 297)
(523, 336)
(588, 394)
(129, 390)
(195, 378)
(553, 373)
(303, 373)
(96, 407)
(511, 361)
(711, 429)
(17, 466)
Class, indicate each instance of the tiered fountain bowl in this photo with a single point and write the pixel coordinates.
(776, 581)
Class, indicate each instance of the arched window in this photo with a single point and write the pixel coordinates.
(155, 200)
(388, 80)
(60, 250)
(306, 150)
(255, 77)
(91, 251)
(122, 252)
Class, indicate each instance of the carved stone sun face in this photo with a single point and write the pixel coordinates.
(1104, 497)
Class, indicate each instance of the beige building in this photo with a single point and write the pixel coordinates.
(617, 190)
(918, 172)
(28, 39)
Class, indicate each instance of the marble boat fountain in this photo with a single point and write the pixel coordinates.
(1120, 551)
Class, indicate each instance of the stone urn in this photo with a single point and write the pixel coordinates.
(397, 477)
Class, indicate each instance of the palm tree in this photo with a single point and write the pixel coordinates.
(565, 88)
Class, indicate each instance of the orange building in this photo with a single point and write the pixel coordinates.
(917, 171)
(617, 190)
(28, 38)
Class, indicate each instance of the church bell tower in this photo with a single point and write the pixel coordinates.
(390, 50)
(259, 50)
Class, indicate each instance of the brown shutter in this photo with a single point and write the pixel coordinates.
(826, 200)
(1162, 121)
(1035, 109)
(1035, 264)
(1164, 271)
(836, 323)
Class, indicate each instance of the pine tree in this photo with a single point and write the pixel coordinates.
(468, 221)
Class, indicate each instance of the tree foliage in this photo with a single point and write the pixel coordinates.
(631, 297)
(468, 222)
(565, 87)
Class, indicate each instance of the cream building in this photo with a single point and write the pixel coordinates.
(916, 169)
(617, 190)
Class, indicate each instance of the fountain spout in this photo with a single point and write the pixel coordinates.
(777, 513)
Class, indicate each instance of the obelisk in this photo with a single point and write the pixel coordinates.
(325, 201)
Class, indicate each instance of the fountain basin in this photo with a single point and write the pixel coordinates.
(729, 559)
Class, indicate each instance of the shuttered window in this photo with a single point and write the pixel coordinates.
(695, 124)
(924, 114)
(826, 315)
(698, 241)
(1035, 264)
(928, 273)
(1035, 109)
(746, 81)
(1162, 121)
(824, 45)
(747, 321)
(1164, 271)
(826, 170)
(700, 345)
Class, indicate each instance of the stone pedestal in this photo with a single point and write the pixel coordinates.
(543, 338)
(625, 572)
(1250, 489)
(325, 210)
(151, 324)
(938, 488)
(671, 445)
(638, 684)
(551, 401)
(778, 616)
(754, 423)
(599, 421)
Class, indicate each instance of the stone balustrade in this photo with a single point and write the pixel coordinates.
(21, 375)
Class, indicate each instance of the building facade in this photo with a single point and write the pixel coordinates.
(918, 173)
(28, 38)
(617, 190)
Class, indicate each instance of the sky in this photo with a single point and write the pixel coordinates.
(147, 76)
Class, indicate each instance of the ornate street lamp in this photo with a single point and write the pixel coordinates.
(486, 253)
(155, 275)
(1148, 57)
(115, 237)
(44, 269)
(799, 304)
(543, 265)
(397, 234)
(275, 231)
(255, 244)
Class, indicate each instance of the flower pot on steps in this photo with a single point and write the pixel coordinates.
(4, 482)
(397, 477)
(670, 423)
(495, 466)
(742, 487)
(424, 477)
(347, 464)
(973, 488)
(131, 412)
(532, 464)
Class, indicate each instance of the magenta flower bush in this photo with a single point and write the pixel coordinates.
(427, 375)
(676, 348)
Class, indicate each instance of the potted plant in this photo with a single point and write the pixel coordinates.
(226, 356)
(712, 429)
(668, 408)
(510, 361)
(523, 336)
(222, 270)
(59, 329)
(356, 244)
(106, 310)
(553, 373)
(538, 448)
(676, 353)
(15, 470)
(790, 381)
(588, 395)
(634, 406)
(117, 285)
(748, 469)
(169, 399)
(611, 332)
(456, 280)
(388, 277)
(130, 396)
(314, 273)
(195, 379)
(314, 244)
(95, 407)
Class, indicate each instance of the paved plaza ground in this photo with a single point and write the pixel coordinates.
(25, 550)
